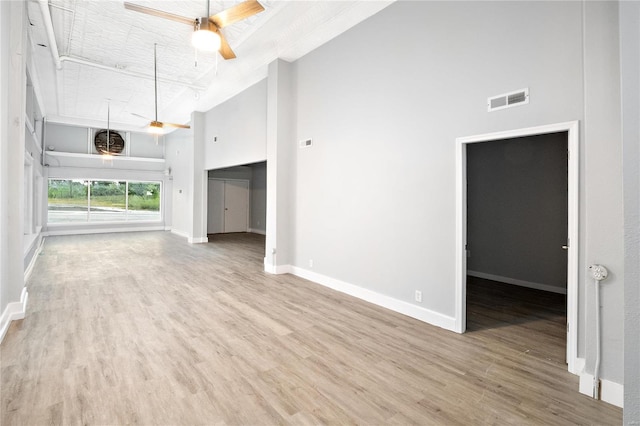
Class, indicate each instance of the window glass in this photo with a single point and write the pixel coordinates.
(108, 201)
(144, 201)
(103, 201)
(68, 201)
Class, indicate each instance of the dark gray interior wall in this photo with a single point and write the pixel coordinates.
(517, 208)
(238, 172)
(258, 204)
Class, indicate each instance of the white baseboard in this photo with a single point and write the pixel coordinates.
(197, 240)
(14, 311)
(32, 262)
(167, 228)
(388, 302)
(54, 232)
(610, 392)
(521, 283)
(275, 269)
(258, 231)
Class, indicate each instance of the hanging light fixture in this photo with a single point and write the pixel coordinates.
(155, 127)
(205, 35)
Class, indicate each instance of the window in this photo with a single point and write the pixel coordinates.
(72, 201)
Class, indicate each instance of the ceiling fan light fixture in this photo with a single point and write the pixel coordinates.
(155, 128)
(204, 36)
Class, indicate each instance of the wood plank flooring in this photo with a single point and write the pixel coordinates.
(144, 328)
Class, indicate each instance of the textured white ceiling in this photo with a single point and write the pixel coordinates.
(106, 55)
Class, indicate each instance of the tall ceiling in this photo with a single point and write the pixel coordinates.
(90, 55)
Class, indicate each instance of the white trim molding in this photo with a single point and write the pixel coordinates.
(521, 283)
(276, 269)
(13, 312)
(198, 240)
(422, 314)
(573, 142)
(70, 231)
(610, 392)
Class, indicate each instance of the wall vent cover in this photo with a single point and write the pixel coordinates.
(508, 100)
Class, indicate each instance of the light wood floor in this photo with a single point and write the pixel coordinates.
(145, 329)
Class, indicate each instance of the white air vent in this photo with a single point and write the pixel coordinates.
(306, 143)
(508, 100)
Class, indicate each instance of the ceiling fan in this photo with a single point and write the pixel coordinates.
(157, 127)
(206, 30)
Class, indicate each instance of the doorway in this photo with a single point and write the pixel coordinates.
(228, 209)
(571, 131)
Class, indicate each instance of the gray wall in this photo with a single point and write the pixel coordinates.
(66, 138)
(375, 197)
(373, 201)
(517, 209)
(383, 164)
(630, 71)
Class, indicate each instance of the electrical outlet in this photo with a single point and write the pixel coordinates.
(310, 263)
(418, 296)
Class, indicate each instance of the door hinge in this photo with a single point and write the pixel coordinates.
(567, 327)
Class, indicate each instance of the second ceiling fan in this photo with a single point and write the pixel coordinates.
(206, 30)
(157, 127)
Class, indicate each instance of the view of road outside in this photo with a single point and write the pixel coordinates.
(102, 201)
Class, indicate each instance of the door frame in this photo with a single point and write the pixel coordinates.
(573, 139)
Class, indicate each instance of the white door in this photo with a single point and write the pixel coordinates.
(215, 207)
(236, 206)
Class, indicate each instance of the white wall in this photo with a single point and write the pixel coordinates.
(179, 157)
(239, 125)
(12, 150)
(630, 74)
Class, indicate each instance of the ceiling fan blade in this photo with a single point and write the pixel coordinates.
(158, 13)
(179, 126)
(236, 13)
(225, 49)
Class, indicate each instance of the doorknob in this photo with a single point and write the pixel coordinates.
(565, 247)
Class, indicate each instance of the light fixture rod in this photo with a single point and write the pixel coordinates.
(155, 78)
(108, 124)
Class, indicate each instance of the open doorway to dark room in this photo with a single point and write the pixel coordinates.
(516, 241)
(237, 206)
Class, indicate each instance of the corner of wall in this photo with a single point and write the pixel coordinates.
(13, 312)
